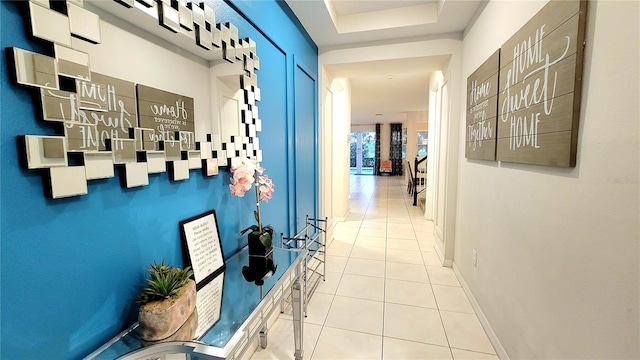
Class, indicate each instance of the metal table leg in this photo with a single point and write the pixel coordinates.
(263, 337)
(297, 304)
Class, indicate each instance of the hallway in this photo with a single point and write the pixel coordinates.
(386, 295)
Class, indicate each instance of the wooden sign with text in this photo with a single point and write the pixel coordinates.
(540, 85)
(165, 112)
(107, 103)
(482, 110)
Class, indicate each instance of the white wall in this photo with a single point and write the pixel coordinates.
(435, 81)
(326, 156)
(341, 91)
(558, 273)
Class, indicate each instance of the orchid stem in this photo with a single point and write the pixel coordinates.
(258, 218)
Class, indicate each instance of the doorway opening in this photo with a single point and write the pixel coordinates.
(362, 153)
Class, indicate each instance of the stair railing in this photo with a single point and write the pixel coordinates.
(417, 162)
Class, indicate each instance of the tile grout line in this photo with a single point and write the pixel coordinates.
(384, 281)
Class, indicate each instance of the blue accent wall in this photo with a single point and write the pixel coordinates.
(70, 268)
(305, 131)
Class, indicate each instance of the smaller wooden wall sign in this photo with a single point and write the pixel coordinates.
(165, 112)
(540, 83)
(482, 110)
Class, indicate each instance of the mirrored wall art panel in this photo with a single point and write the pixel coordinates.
(251, 130)
(229, 147)
(216, 38)
(34, 69)
(92, 96)
(135, 174)
(172, 150)
(44, 3)
(58, 105)
(195, 161)
(216, 143)
(204, 37)
(187, 140)
(98, 165)
(110, 104)
(197, 12)
(246, 117)
(145, 3)
(238, 143)
(178, 170)
(258, 94)
(250, 98)
(256, 61)
(169, 16)
(206, 150)
(84, 24)
(49, 25)
(189, 35)
(234, 41)
(145, 138)
(124, 150)
(126, 3)
(209, 15)
(222, 158)
(151, 11)
(210, 167)
(72, 63)
(66, 181)
(81, 136)
(185, 15)
(235, 161)
(156, 162)
(45, 151)
(247, 81)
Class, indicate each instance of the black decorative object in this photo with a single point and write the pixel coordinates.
(376, 167)
(261, 264)
(395, 151)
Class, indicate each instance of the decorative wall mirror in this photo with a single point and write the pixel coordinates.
(34, 69)
(113, 123)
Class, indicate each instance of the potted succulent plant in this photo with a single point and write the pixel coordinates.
(167, 304)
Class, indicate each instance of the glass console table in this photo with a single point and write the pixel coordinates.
(243, 316)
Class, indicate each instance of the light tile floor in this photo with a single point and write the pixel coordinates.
(386, 296)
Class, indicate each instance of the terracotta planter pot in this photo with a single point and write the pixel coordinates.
(185, 333)
(159, 320)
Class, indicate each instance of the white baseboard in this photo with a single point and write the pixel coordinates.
(445, 263)
(337, 219)
(493, 338)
